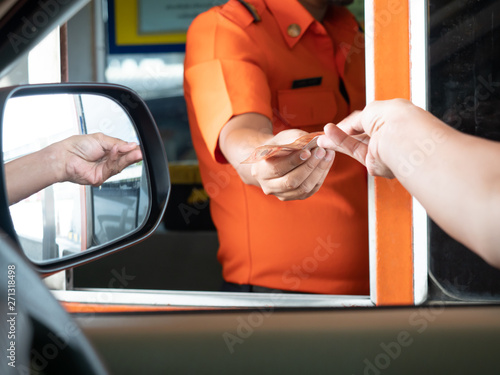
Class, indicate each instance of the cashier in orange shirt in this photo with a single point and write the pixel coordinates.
(266, 72)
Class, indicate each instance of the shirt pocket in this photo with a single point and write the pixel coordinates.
(306, 107)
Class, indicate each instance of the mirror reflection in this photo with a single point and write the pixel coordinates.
(74, 173)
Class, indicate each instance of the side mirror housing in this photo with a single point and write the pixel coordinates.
(68, 224)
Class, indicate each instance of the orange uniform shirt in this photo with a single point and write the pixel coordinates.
(237, 63)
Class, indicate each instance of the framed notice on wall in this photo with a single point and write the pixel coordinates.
(148, 26)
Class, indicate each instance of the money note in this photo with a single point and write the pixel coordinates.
(307, 141)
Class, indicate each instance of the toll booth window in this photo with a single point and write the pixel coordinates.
(157, 78)
(464, 92)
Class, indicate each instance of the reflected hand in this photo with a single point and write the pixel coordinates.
(295, 176)
(93, 158)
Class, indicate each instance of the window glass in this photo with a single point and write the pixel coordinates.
(40, 65)
(158, 79)
(464, 91)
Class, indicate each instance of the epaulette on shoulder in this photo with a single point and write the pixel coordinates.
(241, 12)
(251, 9)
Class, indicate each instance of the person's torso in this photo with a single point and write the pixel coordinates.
(319, 244)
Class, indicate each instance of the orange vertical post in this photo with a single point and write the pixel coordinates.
(393, 204)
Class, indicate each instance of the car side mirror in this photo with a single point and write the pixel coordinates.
(70, 223)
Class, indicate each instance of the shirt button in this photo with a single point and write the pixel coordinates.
(294, 30)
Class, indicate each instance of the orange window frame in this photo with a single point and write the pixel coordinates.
(395, 36)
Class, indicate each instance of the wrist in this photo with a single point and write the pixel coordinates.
(55, 161)
(407, 129)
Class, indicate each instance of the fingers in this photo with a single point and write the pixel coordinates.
(304, 179)
(131, 157)
(126, 147)
(108, 166)
(117, 160)
(127, 152)
(134, 156)
(336, 139)
(352, 124)
(110, 149)
(91, 159)
(275, 167)
(106, 141)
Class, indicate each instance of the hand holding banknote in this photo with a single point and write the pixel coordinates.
(293, 169)
(305, 142)
(288, 165)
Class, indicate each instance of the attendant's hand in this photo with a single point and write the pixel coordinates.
(295, 176)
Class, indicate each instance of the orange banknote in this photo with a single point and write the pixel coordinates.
(307, 141)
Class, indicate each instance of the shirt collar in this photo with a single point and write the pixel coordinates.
(291, 14)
